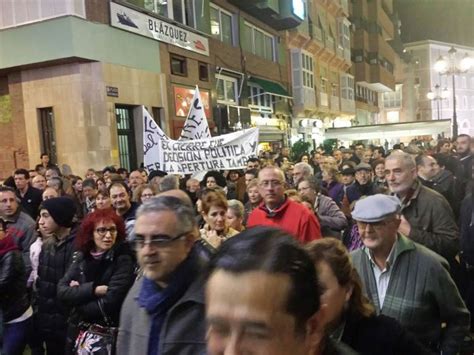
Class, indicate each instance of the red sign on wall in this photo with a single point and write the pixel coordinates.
(183, 99)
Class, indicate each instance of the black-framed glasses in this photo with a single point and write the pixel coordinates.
(157, 240)
(102, 231)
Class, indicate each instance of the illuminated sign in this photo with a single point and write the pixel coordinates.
(298, 8)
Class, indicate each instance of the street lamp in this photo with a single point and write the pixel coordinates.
(451, 66)
(437, 95)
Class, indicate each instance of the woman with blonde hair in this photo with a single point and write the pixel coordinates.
(349, 316)
(144, 192)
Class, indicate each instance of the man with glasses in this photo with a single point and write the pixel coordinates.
(279, 211)
(405, 280)
(164, 311)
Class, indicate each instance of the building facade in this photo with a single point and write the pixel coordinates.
(74, 75)
(421, 68)
(320, 57)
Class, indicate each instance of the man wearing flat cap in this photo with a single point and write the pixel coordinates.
(363, 185)
(405, 280)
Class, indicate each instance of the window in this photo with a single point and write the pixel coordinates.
(221, 25)
(258, 42)
(324, 85)
(347, 87)
(126, 137)
(48, 136)
(203, 71)
(178, 65)
(226, 89)
(182, 11)
(307, 69)
(344, 34)
(393, 99)
(258, 97)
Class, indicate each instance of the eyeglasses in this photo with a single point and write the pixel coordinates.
(375, 225)
(158, 240)
(272, 183)
(102, 231)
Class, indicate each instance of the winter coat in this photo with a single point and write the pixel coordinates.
(329, 214)
(54, 260)
(447, 185)
(421, 295)
(114, 269)
(380, 335)
(14, 299)
(432, 221)
(23, 230)
(183, 331)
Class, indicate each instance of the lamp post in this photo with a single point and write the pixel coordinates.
(450, 65)
(437, 96)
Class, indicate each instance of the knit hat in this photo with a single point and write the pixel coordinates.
(375, 208)
(61, 209)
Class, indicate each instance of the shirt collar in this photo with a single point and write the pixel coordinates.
(390, 259)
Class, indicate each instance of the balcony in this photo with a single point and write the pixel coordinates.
(316, 34)
(324, 99)
(305, 97)
(345, 7)
(278, 14)
(335, 103)
(330, 44)
(340, 51)
(348, 106)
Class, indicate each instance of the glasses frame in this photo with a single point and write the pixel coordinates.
(164, 241)
(112, 230)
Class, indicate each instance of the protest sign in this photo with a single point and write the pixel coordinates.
(228, 151)
(196, 126)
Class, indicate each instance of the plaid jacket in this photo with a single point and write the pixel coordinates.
(421, 295)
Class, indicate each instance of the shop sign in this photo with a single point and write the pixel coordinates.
(133, 21)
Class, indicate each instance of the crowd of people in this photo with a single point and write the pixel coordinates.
(354, 251)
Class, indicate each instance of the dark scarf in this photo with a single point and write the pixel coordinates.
(157, 301)
(7, 244)
(366, 189)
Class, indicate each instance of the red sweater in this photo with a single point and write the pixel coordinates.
(292, 217)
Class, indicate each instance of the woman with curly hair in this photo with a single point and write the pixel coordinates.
(101, 273)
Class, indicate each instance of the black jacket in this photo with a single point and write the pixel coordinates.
(380, 335)
(54, 261)
(13, 295)
(114, 269)
(31, 201)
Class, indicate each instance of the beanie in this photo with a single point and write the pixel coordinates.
(61, 209)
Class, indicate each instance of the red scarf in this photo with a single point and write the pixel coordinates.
(7, 244)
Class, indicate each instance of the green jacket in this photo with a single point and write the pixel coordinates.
(421, 295)
(432, 221)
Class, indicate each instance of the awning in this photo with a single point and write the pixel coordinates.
(390, 130)
(270, 87)
(270, 134)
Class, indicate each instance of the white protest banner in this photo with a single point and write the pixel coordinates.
(228, 151)
(196, 126)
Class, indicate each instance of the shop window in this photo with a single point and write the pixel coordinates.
(203, 72)
(178, 65)
(48, 136)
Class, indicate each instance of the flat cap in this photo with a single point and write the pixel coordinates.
(348, 171)
(363, 166)
(155, 173)
(375, 208)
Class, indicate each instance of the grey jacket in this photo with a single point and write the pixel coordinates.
(23, 229)
(183, 331)
(329, 213)
(421, 295)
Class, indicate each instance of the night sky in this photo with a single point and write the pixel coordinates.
(441, 20)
